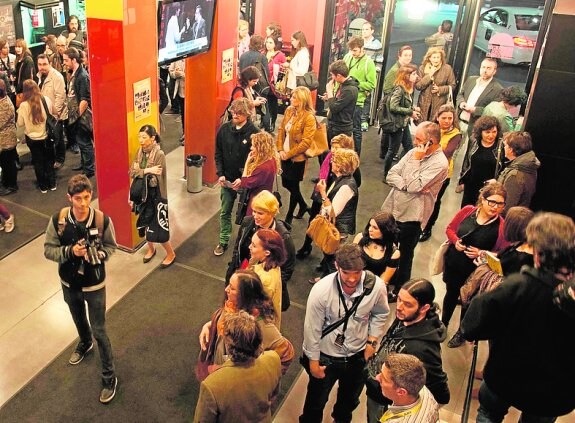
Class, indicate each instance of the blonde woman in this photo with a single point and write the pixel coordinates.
(243, 37)
(437, 78)
(261, 167)
(294, 137)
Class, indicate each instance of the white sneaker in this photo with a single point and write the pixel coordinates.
(9, 224)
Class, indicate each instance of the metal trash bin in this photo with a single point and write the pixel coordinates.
(195, 163)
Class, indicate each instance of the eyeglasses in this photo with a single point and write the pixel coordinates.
(493, 203)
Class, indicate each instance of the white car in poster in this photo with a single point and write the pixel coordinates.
(509, 33)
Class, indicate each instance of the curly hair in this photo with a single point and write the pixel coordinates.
(273, 242)
(264, 150)
(346, 159)
(483, 124)
(252, 297)
(431, 51)
(242, 106)
(514, 96)
(355, 42)
(387, 226)
(242, 337)
(342, 141)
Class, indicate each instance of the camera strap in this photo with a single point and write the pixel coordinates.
(368, 284)
(65, 215)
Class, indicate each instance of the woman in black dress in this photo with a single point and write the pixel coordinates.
(481, 161)
(378, 243)
(474, 228)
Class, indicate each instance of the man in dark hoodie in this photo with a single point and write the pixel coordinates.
(417, 330)
(528, 323)
(233, 143)
(340, 97)
(520, 176)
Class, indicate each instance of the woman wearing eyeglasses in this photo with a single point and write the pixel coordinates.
(473, 229)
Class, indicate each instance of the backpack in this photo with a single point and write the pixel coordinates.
(263, 85)
(388, 123)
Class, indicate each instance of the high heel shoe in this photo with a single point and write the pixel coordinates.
(303, 252)
(301, 213)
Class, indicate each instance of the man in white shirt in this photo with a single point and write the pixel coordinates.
(477, 92)
(52, 85)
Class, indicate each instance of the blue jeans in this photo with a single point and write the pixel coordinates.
(84, 140)
(357, 135)
(403, 137)
(227, 198)
(493, 409)
(96, 300)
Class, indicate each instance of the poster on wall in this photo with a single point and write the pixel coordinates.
(7, 30)
(58, 18)
(228, 64)
(142, 99)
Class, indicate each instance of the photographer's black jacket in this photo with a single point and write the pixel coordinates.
(61, 236)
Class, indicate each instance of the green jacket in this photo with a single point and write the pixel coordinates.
(364, 71)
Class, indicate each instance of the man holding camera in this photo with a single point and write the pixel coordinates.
(80, 239)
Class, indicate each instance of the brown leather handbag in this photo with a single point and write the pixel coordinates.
(319, 143)
(323, 232)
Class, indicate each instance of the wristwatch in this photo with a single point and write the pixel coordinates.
(372, 343)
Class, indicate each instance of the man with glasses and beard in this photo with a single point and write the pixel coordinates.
(417, 330)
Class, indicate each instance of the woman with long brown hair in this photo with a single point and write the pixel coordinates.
(32, 116)
(24, 68)
(294, 137)
(300, 61)
(402, 110)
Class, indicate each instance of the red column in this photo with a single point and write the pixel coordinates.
(206, 95)
(123, 49)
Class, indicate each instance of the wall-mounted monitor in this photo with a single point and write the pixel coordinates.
(184, 28)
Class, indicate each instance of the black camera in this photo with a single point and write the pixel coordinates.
(92, 246)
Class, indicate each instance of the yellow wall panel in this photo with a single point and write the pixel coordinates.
(105, 9)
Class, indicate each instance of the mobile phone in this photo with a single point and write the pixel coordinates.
(428, 144)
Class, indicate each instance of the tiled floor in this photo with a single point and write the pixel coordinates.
(35, 325)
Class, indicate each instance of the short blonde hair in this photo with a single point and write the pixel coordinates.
(266, 202)
(342, 141)
(346, 159)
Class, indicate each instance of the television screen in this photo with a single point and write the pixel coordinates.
(184, 28)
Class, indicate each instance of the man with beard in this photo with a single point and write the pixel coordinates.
(74, 30)
(417, 330)
(233, 143)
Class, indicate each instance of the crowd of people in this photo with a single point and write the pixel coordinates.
(45, 104)
(243, 352)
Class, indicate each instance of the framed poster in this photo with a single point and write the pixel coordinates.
(7, 29)
(228, 64)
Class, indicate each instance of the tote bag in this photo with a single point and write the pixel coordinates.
(324, 234)
(319, 143)
(438, 263)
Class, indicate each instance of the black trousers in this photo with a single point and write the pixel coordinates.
(409, 233)
(350, 375)
(43, 161)
(8, 165)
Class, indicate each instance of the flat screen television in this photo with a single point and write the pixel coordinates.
(184, 28)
